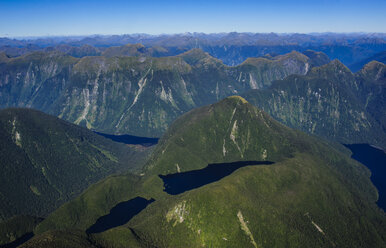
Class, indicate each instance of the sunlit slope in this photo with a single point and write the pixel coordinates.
(312, 196)
(330, 101)
(135, 95)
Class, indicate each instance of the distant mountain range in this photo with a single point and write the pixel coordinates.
(231, 48)
(380, 57)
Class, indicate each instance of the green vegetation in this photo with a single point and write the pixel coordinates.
(137, 95)
(46, 161)
(137, 50)
(119, 237)
(60, 239)
(279, 205)
(96, 201)
(143, 95)
(330, 102)
(16, 227)
(313, 196)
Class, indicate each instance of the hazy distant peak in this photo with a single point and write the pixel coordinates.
(338, 64)
(255, 61)
(317, 58)
(126, 50)
(293, 58)
(374, 71)
(292, 54)
(136, 45)
(197, 55)
(332, 68)
(195, 52)
(373, 65)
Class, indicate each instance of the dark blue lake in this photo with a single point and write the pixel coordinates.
(130, 139)
(180, 182)
(120, 214)
(375, 160)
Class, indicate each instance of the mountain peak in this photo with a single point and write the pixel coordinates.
(284, 58)
(226, 131)
(256, 61)
(292, 55)
(136, 45)
(373, 65)
(317, 58)
(195, 52)
(127, 50)
(197, 56)
(237, 98)
(374, 71)
(338, 65)
(332, 69)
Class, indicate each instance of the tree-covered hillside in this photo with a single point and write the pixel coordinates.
(46, 161)
(312, 196)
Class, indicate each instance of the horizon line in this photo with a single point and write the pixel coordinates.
(183, 33)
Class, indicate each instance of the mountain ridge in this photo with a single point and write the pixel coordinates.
(40, 154)
(350, 104)
(232, 48)
(112, 94)
(240, 209)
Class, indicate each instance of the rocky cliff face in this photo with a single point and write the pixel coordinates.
(331, 102)
(137, 95)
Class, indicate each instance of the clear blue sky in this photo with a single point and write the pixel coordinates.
(77, 17)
